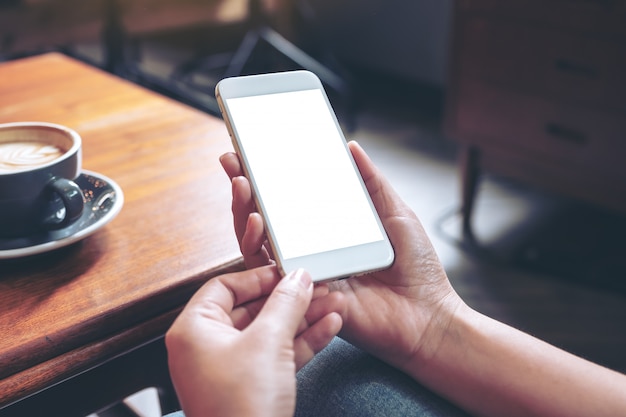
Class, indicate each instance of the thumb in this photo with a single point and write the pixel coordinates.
(385, 199)
(287, 304)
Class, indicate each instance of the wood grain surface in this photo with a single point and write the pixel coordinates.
(65, 311)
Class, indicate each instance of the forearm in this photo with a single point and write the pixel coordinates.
(492, 369)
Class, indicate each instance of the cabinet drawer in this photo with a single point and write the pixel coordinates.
(565, 134)
(597, 16)
(577, 183)
(543, 61)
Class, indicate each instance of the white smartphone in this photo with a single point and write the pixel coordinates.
(318, 214)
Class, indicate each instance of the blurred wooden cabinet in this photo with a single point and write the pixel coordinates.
(537, 92)
(28, 26)
(32, 25)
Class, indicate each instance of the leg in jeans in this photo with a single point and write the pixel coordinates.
(342, 380)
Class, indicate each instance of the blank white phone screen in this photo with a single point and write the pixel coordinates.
(311, 193)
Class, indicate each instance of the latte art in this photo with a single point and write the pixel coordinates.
(17, 156)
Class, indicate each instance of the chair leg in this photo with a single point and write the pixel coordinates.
(168, 399)
(301, 58)
(118, 410)
(243, 53)
(470, 168)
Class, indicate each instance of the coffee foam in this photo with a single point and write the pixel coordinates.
(18, 156)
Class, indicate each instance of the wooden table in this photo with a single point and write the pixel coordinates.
(68, 311)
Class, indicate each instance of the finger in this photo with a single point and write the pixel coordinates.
(252, 243)
(222, 294)
(320, 290)
(243, 315)
(232, 166)
(242, 205)
(334, 302)
(286, 306)
(366, 166)
(387, 202)
(316, 338)
(254, 237)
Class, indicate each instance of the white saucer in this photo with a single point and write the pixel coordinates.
(103, 201)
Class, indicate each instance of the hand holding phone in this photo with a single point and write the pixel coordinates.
(317, 212)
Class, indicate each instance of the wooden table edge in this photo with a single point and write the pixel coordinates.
(26, 383)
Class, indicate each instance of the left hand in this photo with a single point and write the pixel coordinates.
(235, 348)
(413, 298)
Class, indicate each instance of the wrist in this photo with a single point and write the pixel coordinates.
(446, 324)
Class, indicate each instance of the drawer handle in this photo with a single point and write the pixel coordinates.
(567, 134)
(574, 68)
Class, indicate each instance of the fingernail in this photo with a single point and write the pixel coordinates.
(302, 277)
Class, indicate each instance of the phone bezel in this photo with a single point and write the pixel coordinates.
(323, 266)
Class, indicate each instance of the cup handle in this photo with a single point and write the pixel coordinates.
(69, 209)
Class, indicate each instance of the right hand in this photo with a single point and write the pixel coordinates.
(399, 314)
(235, 348)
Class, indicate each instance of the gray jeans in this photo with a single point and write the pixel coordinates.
(342, 380)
